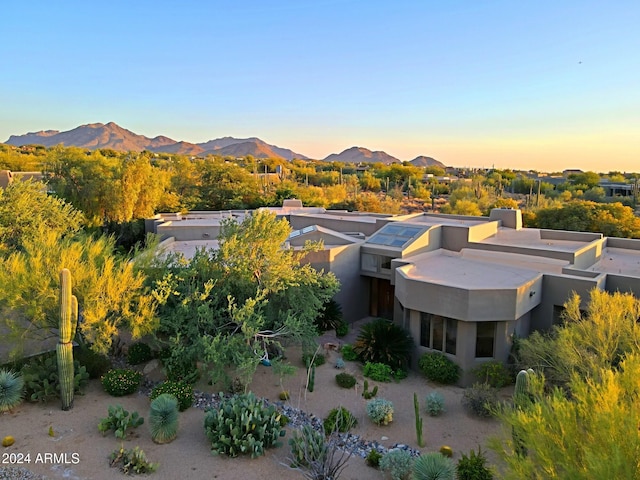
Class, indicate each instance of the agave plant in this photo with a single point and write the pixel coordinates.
(163, 418)
(433, 466)
(11, 390)
(382, 341)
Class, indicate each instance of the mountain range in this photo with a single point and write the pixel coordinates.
(112, 136)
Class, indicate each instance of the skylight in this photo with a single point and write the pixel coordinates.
(395, 235)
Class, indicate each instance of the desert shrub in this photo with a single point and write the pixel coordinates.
(95, 363)
(318, 359)
(339, 420)
(132, 460)
(180, 368)
(11, 390)
(242, 424)
(345, 380)
(435, 403)
(380, 411)
(119, 421)
(373, 458)
(494, 373)
(348, 353)
(163, 418)
(139, 352)
(433, 466)
(121, 381)
(437, 367)
(183, 392)
(385, 342)
(342, 329)
(41, 378)
(481, 399)
(473, 467)
(316, 456)
(397, 464)
(378, 372)
(330, 318)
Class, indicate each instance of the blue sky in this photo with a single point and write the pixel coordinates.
(542, 85)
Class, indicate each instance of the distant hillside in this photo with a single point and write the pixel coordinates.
(359, 154)
(241, 147)
(112, 136)
(98, 135)
(93, 136)
(423, 161)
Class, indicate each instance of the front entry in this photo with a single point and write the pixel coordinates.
(382, 295)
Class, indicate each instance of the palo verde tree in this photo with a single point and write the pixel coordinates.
(587, 427)
(233, 305)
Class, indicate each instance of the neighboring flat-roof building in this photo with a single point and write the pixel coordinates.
(462, 285)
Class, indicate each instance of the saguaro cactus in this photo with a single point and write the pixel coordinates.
(416, 407)
(521, 399)
(64, 349)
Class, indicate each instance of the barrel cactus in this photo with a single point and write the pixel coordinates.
(64, 349)
(11, 390)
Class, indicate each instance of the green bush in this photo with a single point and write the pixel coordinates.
(308, 447)
(180, 368)
(95, 363)
(318, 360)
(139, 352)
(339, 420)
(437, 367)
(397, 464)
(119, 421)
(435, 403)
(242, 424)
(382, 341)
(433, 466)
(473, 467)
(348, 353)
(481, 399)
(163, 418)
(345, 380)
(342, 329)
(132, 460)
(11, 390)
(378, 372)
(183, 392)
(373, 458)
(380, 411)
(330, 317)
(41, 378)
(495, 373)
(121, 381)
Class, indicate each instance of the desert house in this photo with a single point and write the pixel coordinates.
(462, 285)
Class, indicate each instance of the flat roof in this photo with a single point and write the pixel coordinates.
(437, 219)
(530, 238)
(472, 271)
(344, 217)
(618, 260)
(187, 247)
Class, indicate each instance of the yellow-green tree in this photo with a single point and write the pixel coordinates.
(587, 427)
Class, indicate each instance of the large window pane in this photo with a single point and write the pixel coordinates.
(437, 326)
(485, 339)
(452, 336)
(425, 330)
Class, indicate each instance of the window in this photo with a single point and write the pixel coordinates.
(438, 333)
(385, 263)
(485, 339)
(369, 262)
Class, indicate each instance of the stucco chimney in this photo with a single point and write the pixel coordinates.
(510, 217)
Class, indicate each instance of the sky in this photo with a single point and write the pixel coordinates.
(545, 85)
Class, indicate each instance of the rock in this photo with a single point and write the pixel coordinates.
(151, 366)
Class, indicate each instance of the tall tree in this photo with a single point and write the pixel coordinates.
(228, 306)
